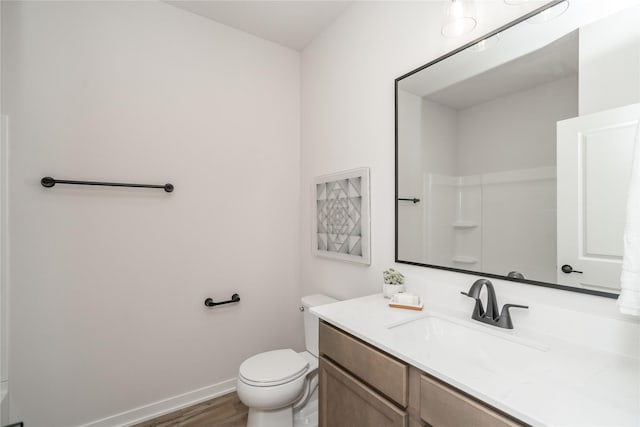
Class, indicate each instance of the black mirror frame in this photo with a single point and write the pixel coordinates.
(457, 270)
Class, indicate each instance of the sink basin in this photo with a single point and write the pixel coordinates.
(443, 339)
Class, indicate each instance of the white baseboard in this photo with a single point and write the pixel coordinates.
(165, 406)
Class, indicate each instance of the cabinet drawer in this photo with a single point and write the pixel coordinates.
(353, 403)
(443, 406)
(381, 371)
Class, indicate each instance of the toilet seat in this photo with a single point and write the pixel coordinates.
(273, 368)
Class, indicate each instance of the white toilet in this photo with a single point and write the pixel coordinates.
(275, 383)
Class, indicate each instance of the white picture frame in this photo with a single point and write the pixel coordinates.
(341, 216)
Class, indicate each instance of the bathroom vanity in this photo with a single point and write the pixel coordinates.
(382, 366)
(361, 385)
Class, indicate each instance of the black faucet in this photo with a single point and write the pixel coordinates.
(490, 315)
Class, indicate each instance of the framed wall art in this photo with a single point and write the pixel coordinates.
(341, 225)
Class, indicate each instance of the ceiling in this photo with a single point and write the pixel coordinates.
(554, 61)
(289, 23)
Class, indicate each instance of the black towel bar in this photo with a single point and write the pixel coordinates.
(49, 182)
(210, 303)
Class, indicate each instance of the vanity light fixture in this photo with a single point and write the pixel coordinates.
(485, 44)
(458, 19)
(548, 14)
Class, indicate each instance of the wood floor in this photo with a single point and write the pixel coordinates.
(223, 411)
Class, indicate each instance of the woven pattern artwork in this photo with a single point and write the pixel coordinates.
(338, 209)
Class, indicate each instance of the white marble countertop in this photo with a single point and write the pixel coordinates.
(567, 385)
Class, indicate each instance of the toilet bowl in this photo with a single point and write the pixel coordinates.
(275, 382)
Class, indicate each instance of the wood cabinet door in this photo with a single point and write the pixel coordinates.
(383, 373)
(346, 402)
(442, 406)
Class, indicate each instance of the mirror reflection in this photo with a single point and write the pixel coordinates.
(514, 154)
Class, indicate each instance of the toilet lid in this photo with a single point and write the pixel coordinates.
(273, 367)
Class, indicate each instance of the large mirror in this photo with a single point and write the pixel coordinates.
(513, 154)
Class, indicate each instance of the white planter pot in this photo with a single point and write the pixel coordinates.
(389, 290)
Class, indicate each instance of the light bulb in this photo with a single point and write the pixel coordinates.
(456, 10)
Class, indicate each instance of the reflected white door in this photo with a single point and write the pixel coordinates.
(594, 167)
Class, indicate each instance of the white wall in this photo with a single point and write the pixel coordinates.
(440, 139)
(610, 62)
(108, 284)
(411, 226)
(517, 131)
(439, 160)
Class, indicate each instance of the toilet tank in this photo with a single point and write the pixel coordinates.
(311, 320)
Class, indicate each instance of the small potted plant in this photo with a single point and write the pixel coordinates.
(393, 282)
